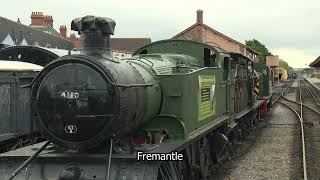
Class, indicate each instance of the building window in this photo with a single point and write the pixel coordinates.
(8, 40)
(24, 42)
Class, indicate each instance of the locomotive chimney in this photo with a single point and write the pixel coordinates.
(95, 35)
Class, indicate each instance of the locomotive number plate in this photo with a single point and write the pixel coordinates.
(70, 91)
(71, 94)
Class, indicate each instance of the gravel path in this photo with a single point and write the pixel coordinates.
(272, 151)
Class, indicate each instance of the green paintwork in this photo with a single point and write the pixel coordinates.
(180, 97)
(231, 100)
(188, 100)
(154, 92)
(173, 125)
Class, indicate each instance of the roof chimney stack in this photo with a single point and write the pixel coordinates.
(48, 21)
(37, 19)
(63, 30)
(200, 16)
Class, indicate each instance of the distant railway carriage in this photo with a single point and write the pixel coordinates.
(171, 96)
(294, 75)
(16, 126)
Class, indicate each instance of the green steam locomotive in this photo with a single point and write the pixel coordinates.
(171, 111)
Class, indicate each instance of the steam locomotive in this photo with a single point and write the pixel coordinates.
(98, 112)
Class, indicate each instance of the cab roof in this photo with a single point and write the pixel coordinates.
(18, 66)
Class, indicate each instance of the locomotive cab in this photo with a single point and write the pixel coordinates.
(243, 81)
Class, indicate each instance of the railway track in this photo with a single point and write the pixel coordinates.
(312, 127)
(306, 107)
(273, 150)
(280, 91)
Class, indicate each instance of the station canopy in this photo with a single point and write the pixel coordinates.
(315, 63)
(33, 54)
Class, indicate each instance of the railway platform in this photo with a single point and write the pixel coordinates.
(315, 81)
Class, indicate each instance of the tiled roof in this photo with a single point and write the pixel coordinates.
(128, 44)
(48, 29)
(214, 31)
(33, 54)
(33, 36)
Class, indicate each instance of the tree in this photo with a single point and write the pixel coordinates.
(286, 66)
(307, 71)
(260, 48)
(264, 52)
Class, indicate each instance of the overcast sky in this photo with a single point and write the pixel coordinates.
(289, 28)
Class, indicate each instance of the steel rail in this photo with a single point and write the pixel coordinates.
(305, 105)
(300, 116)
(313, 84)
(291, 108)
(313, 96)
(282, 93)
(305, 176)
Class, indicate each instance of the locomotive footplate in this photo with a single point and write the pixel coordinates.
(84, 169)
(51, 165)
(246, 111)
(66, 166)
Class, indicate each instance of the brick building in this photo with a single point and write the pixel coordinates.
(39, 19)
(75, 40)
(203, 33)
(44, 23)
